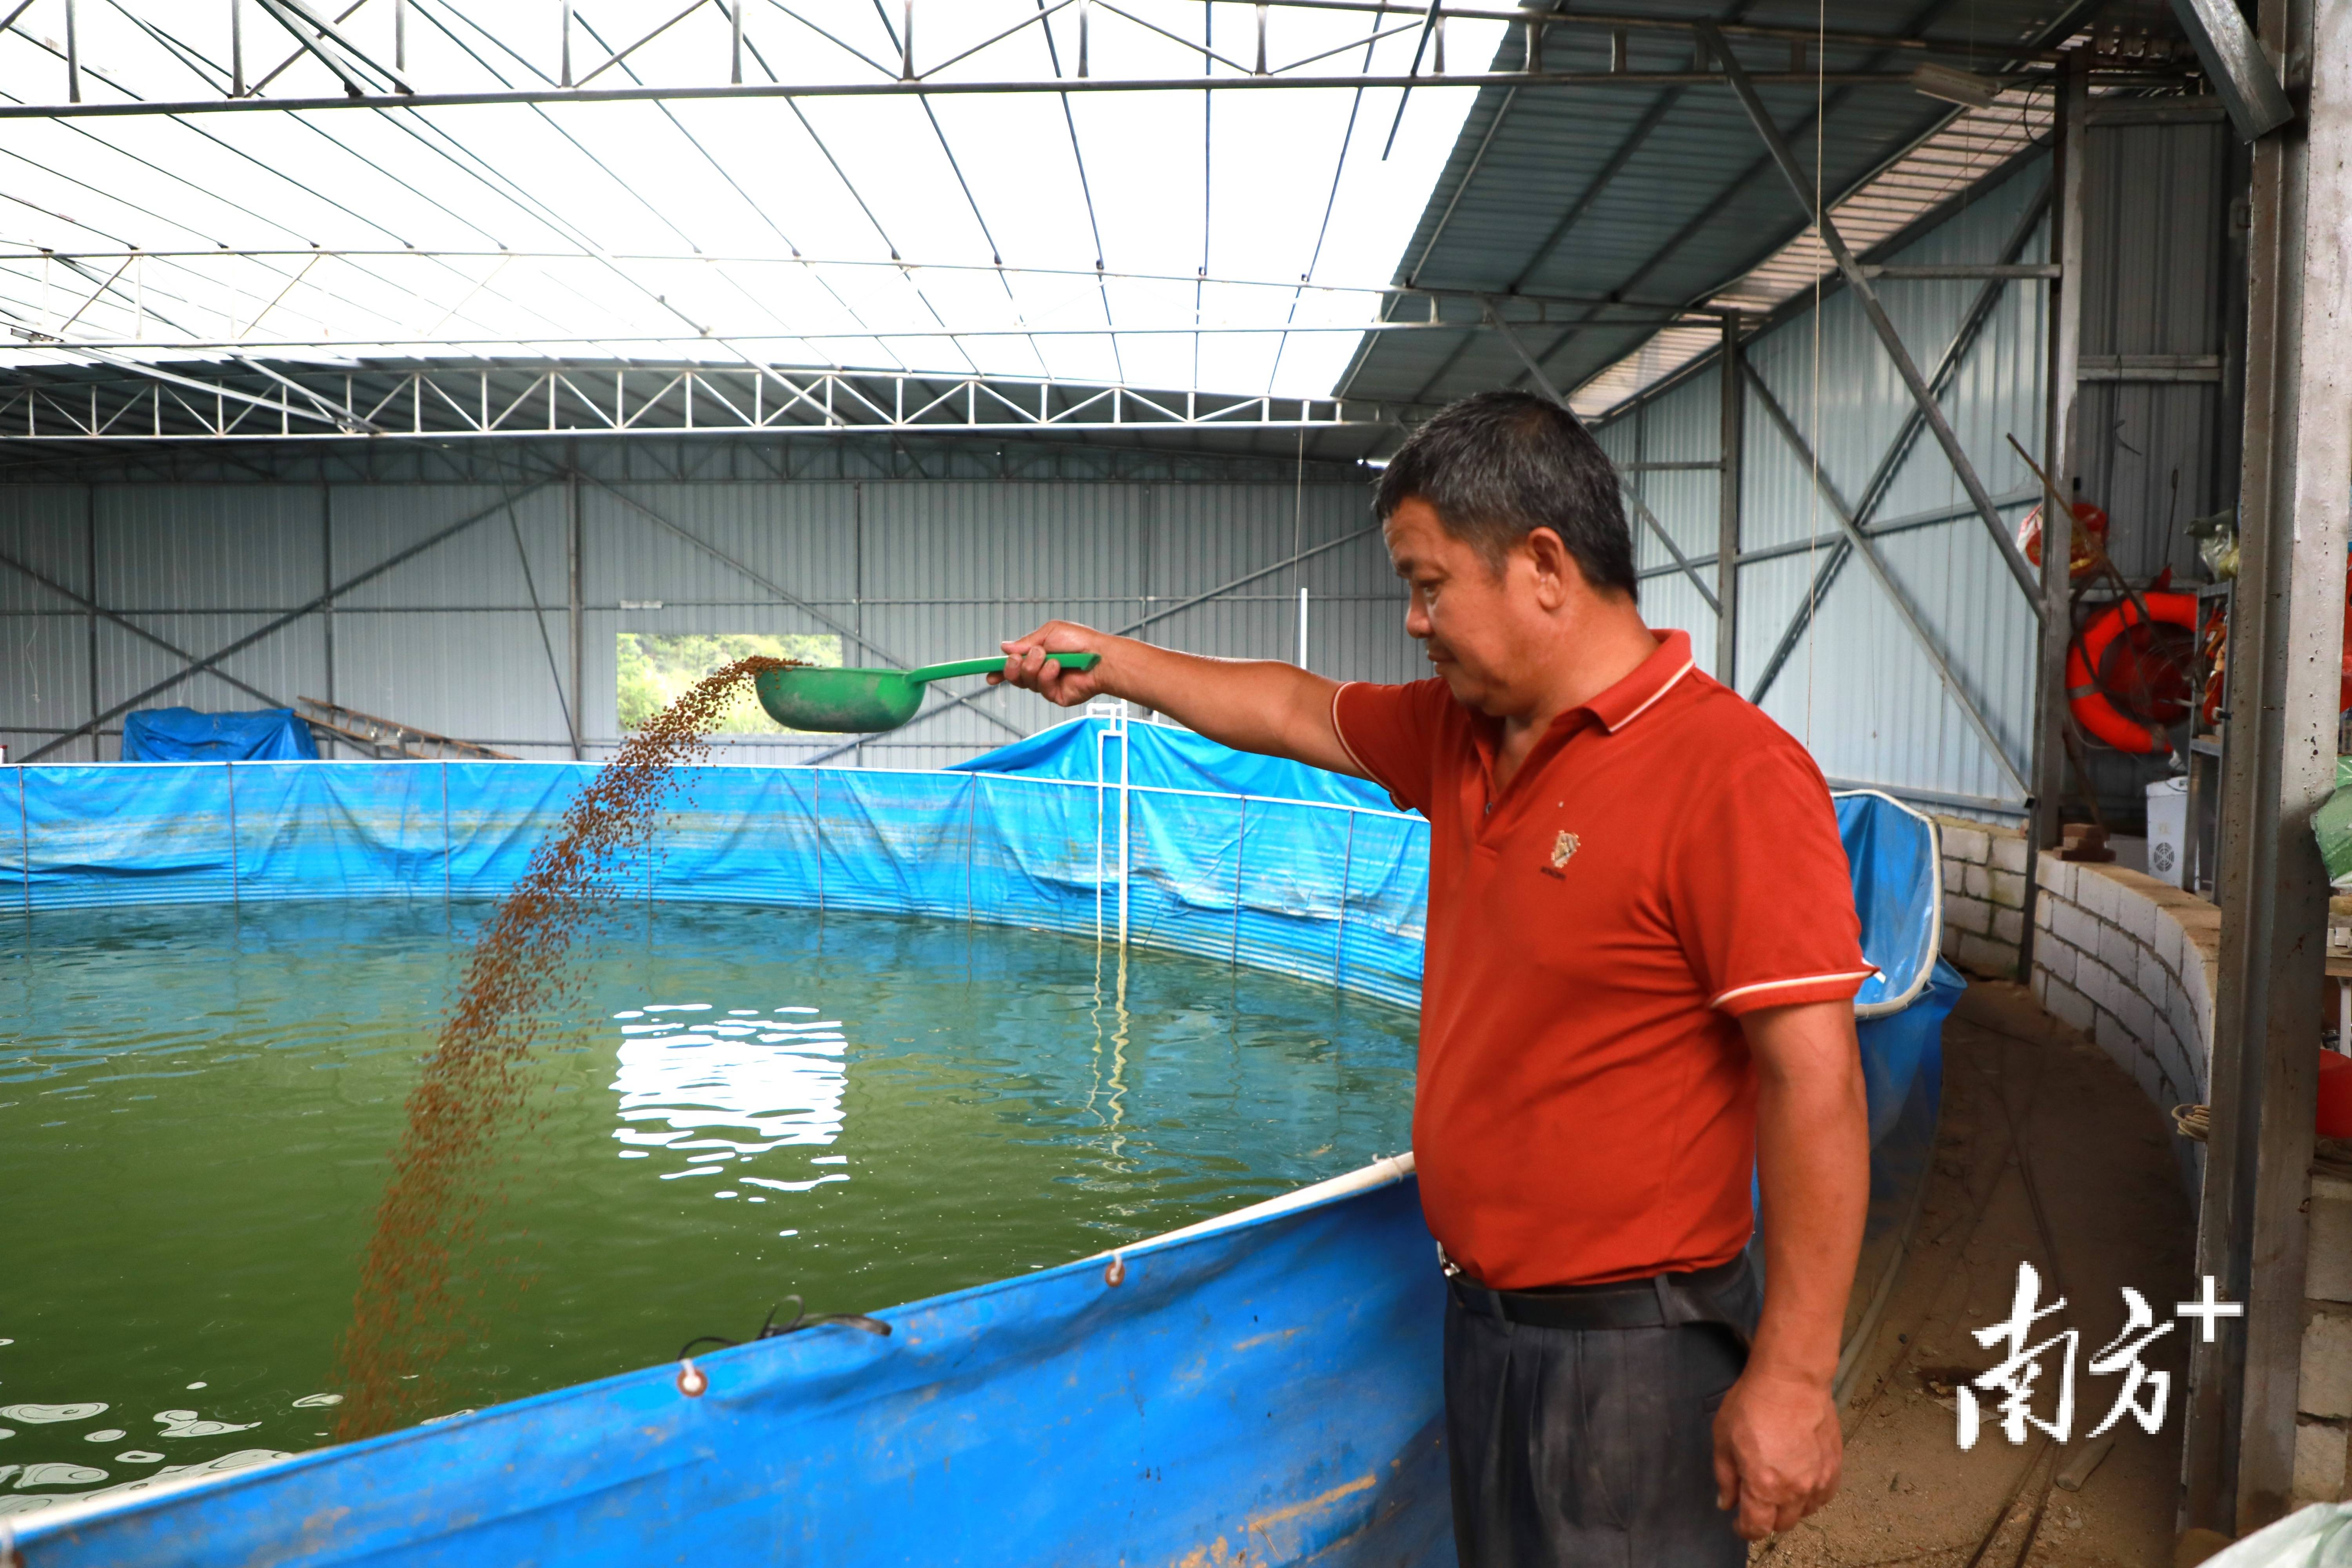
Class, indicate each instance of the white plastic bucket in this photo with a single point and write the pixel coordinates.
(2168, 830)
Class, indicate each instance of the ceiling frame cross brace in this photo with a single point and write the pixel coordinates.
(350, 64)
(277, 624)
(1862, 544)
(1930, 410)
(1874, 493)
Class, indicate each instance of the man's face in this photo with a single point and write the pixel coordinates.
(1485, 629)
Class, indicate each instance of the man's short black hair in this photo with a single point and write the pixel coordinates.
(1497, 466)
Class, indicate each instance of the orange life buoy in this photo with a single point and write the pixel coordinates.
(2101, 719)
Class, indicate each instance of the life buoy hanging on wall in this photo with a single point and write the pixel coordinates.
(2146, 676)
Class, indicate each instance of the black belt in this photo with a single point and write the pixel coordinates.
(1660, 1301)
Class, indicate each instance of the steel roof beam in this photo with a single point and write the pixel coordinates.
(539, 402)
(1596, 80)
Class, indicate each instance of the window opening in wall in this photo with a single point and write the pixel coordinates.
(651, 667)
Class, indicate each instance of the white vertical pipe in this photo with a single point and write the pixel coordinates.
(1302, 628)
(1123, 855)
(73, 56)
(1099, 736)
(400, 35)
(735, 14)
(236, 48)
(1241, 854)
(567, 44)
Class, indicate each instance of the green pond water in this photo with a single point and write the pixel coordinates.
(196, 1104)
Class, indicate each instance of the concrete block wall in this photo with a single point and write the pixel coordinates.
(2323, 1430)
(2129, 961)
(2133, 962)
(1984, 894)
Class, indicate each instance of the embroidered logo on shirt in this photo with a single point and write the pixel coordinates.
(1563, 846)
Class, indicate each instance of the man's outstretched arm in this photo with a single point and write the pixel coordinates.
(1250, 704)
(1778, 1449)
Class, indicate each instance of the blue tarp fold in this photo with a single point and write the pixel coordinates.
(184, 735)
(1162, 756)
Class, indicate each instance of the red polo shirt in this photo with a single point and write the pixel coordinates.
(1665, 859)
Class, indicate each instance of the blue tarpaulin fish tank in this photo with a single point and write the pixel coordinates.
(1262, 1387)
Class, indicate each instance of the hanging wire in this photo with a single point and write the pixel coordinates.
(1814, 490)
(207, 71)
(1054, 54)
(1208, 104)
(463, 156)
(1330, 201)
(995, 251)
(723, 173)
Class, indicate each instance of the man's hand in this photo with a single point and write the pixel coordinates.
(1777, 1446)
(1026, 666)
(1778, 1450)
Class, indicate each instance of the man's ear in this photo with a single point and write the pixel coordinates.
(1556, 573)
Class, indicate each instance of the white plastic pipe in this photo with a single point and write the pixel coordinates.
(1379, 1173)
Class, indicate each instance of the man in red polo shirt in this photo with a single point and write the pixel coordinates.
(1641, 957)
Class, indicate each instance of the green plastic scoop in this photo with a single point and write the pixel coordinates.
(864, 701)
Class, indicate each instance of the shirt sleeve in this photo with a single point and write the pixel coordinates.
(1392, 733)
(1763, 896)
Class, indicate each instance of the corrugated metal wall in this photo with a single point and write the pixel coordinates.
(449, 640)
(1857, 687)
(937, 568)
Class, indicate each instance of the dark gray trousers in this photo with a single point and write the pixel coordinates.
(1588, 1448)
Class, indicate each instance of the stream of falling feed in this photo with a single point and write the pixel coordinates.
(413, 1302)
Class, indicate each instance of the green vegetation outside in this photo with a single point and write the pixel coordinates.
(655, 667)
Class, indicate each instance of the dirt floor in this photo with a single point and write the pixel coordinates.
(2047, 1154)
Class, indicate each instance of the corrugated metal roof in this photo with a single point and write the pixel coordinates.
(1665, 199)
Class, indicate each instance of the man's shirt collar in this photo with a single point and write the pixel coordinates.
(1652, 680)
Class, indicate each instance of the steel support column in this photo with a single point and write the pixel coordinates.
(2062, 460)
(90, 570)
(2285, 646)
(2061, 456)
(1726, 547)
(571, 576)
(326, 585)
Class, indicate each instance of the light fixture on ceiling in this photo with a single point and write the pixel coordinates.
(1953, 85)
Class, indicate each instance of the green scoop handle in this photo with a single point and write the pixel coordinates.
(866, 701)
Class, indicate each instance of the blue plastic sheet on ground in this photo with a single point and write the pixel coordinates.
(184, 735)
